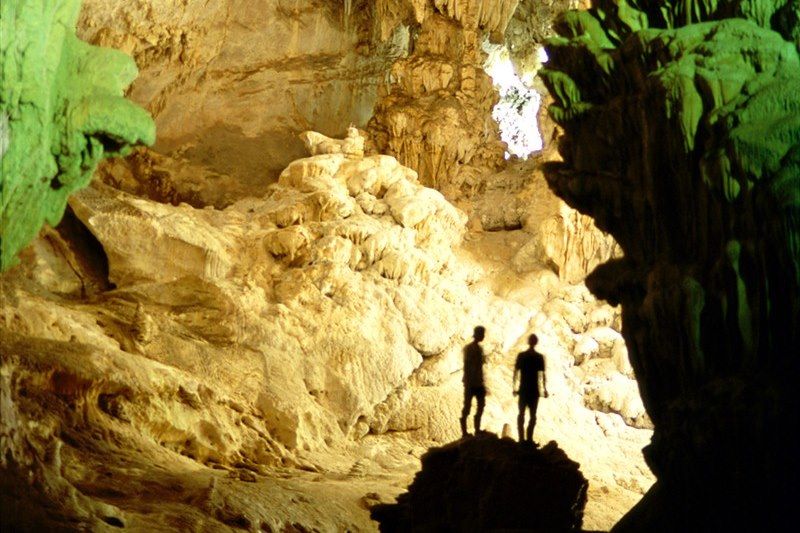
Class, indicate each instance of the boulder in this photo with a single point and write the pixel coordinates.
(485, 483)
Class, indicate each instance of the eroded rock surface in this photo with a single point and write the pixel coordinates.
(231, 84)
(279, 361)
(436, 114)
(306, 343)
(347, 239)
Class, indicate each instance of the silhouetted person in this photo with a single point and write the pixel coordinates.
(530, 368)
(473, 379)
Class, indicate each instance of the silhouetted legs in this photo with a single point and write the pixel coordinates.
(531, 425)
(479, 393)
(531, 404)
(481, 398)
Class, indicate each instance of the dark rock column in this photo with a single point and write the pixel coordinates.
(682, 140)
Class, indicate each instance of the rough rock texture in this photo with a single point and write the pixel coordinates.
(95, 437)
(347, 238)
(232, 83)
(280, 360)
(285, 360)
(211, 344)
(573, 243)
(560, 237)
(61, 112)
(682, 140)
(435, 115)
(529, 28)
(487, 484)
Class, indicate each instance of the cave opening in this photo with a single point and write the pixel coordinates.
(517, 109)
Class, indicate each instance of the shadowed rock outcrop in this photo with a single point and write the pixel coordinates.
(682, 139)
(62, 110)
(487, 484)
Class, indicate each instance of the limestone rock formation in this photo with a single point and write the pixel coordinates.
(332, 230)
(231, 84)
(351, 146)
(210, 344)
(559, 236)
(530, 26)
(61, 111)
(435, 115)
(220, 335)
(572, 242)
(275, 361)
(488, 484)
(682, 135)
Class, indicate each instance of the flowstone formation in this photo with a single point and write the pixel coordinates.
(62, 110)
(435, 114)
(682, 124)
(233, 338)
(351, 238)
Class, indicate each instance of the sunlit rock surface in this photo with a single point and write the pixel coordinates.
(358, 242)
(682, 139)
(62, 110)
(484, 483)
(211, 340)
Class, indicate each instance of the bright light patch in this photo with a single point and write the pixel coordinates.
(541, 53)
(516, 111)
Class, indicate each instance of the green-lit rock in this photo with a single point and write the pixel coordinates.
(682, 139)
(61, 111)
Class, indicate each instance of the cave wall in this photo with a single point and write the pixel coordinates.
(682, 139)
(435, 114)
(231, 84)
(530, 26)
(61, 111)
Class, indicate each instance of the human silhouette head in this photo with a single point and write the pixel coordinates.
(533, 340)
(479, 333)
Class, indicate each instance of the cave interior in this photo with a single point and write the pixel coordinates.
(245, 245)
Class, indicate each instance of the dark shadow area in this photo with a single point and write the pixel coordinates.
(84, 254)
(23, 507)
(485, 483)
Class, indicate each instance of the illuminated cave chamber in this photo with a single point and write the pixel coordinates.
(282, 337)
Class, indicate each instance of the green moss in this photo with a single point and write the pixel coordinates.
(62, 110)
